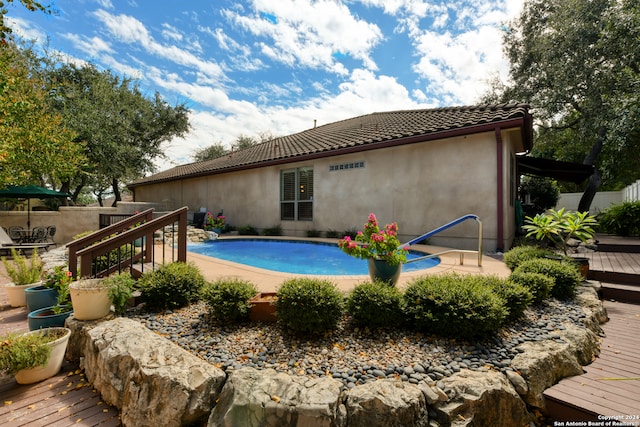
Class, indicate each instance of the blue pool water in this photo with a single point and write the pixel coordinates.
(297, 257)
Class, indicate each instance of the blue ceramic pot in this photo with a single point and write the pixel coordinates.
(383, 271)
(46, 318)
(40, 297)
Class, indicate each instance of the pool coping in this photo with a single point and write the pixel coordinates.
(269, 281)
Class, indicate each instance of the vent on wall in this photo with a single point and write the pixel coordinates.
(346, 166)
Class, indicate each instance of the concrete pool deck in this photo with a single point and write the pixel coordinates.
(269, 281)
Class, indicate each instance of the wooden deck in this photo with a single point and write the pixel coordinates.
(64, 400)
(67, 399)
(610, 385)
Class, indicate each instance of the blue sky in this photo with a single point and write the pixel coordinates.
(275, 66)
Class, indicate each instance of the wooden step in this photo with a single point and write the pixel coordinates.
(620, 292)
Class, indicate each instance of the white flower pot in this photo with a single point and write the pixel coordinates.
(52, 367)
(90, 299)
(15, 294)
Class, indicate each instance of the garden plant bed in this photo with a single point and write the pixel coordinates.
(358, 355)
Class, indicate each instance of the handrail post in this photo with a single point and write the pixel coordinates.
(479, 242)
(182, 236)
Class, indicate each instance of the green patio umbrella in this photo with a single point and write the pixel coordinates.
(30, 192)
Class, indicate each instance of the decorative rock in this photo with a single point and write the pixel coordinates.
(544, 363)
(79, 338)
(481, 399)
(386, 403)
(267, 398)
(152, 381)
(518, 382)
(432, 394)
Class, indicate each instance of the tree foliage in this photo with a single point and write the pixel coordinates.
(123, 129)
(577, 63)
(36, 146)
(29, 4)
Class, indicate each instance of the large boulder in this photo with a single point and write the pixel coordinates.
(267, 398)
(386, 403)
(151, 380)
(544, 363)
(480, 399)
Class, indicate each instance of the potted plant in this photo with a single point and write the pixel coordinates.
(54, 315)
(215, 224)
(33, 356)
(557, 227)
(92, 298)
(23, 275)
(380, 247)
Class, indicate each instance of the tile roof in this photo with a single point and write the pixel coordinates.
(358, 133)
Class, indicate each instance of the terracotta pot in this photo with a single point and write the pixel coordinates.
(52, 367)
(583, 266)
(90, 299)
(263, 308)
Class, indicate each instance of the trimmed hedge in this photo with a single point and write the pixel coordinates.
(517, 255)
(172, 285)
(308, 305)
(228, 299)
(454, 305)
(564, 273)
(538, 284)
(375, 304)
(516, 296)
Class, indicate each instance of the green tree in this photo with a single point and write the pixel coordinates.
(213, 151)
(123, 130)
(576, 63)
(35, 144)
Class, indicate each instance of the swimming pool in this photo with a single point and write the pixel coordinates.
(296, 256)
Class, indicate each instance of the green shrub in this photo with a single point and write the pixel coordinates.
(460, 306)
(314, 233)
(172, 285)
(544, 193)
(307, 305)
(120, 290)
(228, 299)
(622, 219)
(375, 304)
(247, 230)
(333, 234)
(565, 275)
(517, 255)
(276, 230)
(516, 296)
(538, 284)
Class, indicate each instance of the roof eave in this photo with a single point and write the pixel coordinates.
(523, 122)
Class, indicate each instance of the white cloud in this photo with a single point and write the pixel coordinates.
(25, 29)
(93, 46)
(309, 33)
(130, 30)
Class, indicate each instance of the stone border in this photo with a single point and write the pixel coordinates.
(154, 382)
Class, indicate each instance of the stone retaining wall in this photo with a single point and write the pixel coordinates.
(154, 382)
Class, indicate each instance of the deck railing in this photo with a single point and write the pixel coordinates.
(130, 244)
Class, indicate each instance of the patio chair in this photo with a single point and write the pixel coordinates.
(15, 233)
(38, 235)
(51, 231)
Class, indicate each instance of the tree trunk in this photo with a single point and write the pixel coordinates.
(594, 180)
(116, 192)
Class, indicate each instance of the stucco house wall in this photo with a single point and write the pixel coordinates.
(421, 186)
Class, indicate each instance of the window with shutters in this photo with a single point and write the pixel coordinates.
(296, 194)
